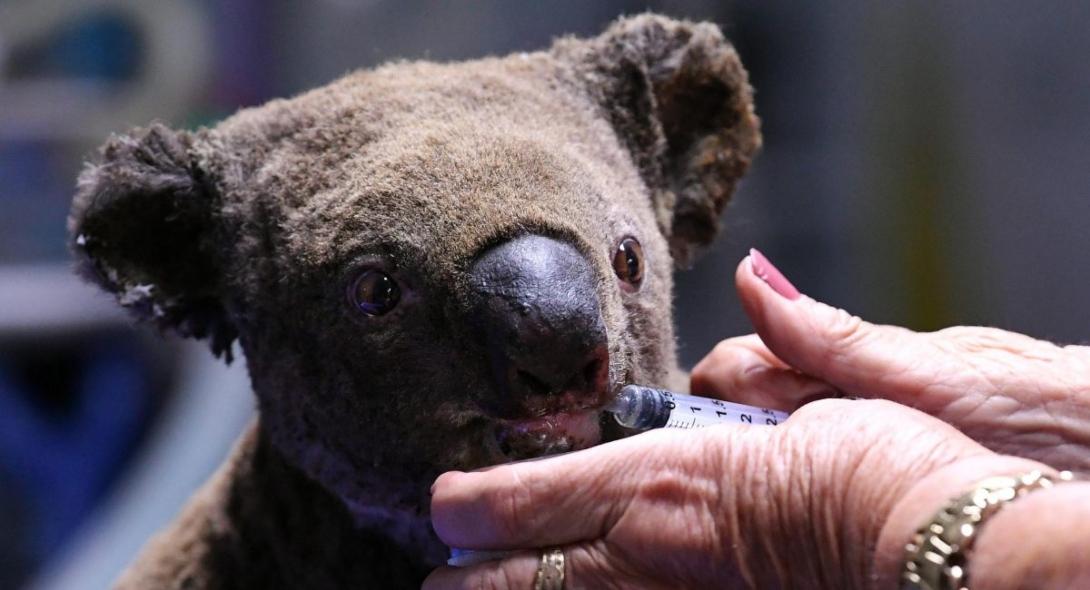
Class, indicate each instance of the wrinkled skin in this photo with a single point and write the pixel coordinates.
(259, 229)
(1011, 393)
(791, 506)
(829, 498)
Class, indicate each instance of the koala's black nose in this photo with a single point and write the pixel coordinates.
(537, 310)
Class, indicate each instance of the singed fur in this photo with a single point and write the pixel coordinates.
(253, 230)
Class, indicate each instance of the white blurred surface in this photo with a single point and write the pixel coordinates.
(44, 298)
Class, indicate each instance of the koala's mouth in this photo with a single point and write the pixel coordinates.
(551, 422)
(559, 432)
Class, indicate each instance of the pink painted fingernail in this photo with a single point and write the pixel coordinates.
(768, 273)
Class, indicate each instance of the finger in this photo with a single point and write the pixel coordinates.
(743, 370)
(852, 355)
(516, 571)
(751, 345)
(554, 501)
(587, 566)
(525, 504)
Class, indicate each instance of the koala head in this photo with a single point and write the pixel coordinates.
(434, 266)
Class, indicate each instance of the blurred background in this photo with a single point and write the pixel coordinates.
(926, 163)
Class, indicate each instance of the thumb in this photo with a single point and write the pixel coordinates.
(852, 355)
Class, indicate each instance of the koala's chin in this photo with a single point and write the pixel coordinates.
(428, 267)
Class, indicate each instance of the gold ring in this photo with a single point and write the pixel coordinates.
(550, 572)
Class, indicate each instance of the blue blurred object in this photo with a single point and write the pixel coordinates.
(101, 45)
(34, 200)
(60, 449)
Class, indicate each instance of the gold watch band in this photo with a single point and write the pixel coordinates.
(937, 556)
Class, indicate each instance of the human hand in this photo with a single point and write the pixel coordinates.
(1011, 393)
(796, 505)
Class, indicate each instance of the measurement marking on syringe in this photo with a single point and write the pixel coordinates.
(641, 408)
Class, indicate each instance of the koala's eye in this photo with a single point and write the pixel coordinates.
(375, 292)
(628, 262)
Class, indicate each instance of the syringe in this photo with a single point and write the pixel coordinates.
(644, 408)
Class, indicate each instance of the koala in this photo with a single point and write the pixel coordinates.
(427, 267)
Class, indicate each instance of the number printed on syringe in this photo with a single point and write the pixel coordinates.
(694, 412)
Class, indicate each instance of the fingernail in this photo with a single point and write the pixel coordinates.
(768, 273)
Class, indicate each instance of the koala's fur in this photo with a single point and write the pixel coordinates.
(254, 229)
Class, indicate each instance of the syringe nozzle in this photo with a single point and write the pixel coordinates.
(636, 407)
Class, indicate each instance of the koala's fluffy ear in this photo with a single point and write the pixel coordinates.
(144, 227)
(680, 99)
